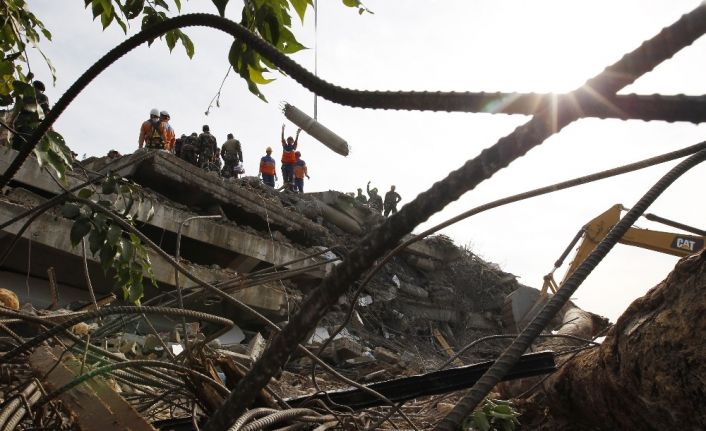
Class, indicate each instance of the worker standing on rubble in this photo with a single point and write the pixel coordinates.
(190, 149)
(178, 144)
(170, 138)
(392, 198)
(207, 147)
(232, 154)
(361, 197)
(289, 158)
(375, 201)
(153, 132)
(268, 171)
(300, 171)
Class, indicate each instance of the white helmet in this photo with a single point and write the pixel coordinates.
(154, 112)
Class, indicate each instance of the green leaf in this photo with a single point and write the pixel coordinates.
(97, 8)
(109, 186)
(85, 193)
(187, 43)
(171, 37)
(480, 421)
(256, 76)
(221, 6)
(133, 8)
(80, 229)
(161, 3)
(351, 3)
(96, 239)
(107, 255)
(300, 7)
(70, 211)
(178, 4)
(114, 234)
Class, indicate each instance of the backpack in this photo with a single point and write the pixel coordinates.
(154, 137)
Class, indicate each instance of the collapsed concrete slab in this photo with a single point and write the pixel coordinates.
(48, 241)
(192, 186)
(204, 241)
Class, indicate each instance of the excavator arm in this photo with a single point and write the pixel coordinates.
(524, 303)
(594, 231)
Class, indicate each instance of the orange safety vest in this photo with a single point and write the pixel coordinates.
(300, 170)
(267, 166)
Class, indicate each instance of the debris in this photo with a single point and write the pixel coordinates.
(9, 299)
(256, 346)
(94, 405)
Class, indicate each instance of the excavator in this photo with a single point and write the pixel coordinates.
(524, 303)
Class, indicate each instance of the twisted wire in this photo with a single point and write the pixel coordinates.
(137, 363)
(106, 311)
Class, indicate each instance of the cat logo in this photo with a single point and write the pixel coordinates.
(690, 244)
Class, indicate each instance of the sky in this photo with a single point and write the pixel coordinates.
(450, 45)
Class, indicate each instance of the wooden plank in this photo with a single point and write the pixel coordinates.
(93, 405)
(447, 348)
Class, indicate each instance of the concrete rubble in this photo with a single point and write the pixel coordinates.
(425, 304)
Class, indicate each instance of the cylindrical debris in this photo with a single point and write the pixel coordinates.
(316, 130)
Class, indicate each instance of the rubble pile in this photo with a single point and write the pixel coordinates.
(168, 368)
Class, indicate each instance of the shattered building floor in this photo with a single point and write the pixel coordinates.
(265, 248)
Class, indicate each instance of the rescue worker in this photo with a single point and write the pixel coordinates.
(190, 149)
(300, 171)
(28, 112)
(207, 147)
(361, 197)
(392, 198)
(267, 168)
(114, 154)
(289, 158)
(232, 155)
(170, 138)
(153, 132)
(375, 201)
(178, 143)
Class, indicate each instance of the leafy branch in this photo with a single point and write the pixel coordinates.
(117, 250)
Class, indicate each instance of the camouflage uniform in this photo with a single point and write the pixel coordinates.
(207, 148)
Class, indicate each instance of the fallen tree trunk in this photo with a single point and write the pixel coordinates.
(649, 373)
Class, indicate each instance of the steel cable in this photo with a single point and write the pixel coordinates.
(274, 418)
(512, 354)
(137, 363)
(106, 311)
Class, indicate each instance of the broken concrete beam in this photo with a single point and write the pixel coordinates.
(423, 263)
(344, 204)
(413, 290)
(346, 348)
(93, 405)
(428, 249)
(386, 355)
(190, 185)
(256, 346)
(339, 219)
